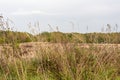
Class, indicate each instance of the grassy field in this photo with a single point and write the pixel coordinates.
(59, 56)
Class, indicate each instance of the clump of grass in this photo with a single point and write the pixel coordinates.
(66, 62)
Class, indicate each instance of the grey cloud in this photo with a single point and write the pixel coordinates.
(94, 13)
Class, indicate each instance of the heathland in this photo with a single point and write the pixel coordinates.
(59, 56)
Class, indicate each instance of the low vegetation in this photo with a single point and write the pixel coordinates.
(18, 37)
(59, 37)
(79, 38)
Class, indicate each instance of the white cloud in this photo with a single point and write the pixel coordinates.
(64, 7)
(21, 12)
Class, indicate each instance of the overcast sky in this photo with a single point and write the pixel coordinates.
(68, 15)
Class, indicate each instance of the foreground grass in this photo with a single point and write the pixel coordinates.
(63, 62)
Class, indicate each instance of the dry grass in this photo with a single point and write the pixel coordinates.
(58, 61)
